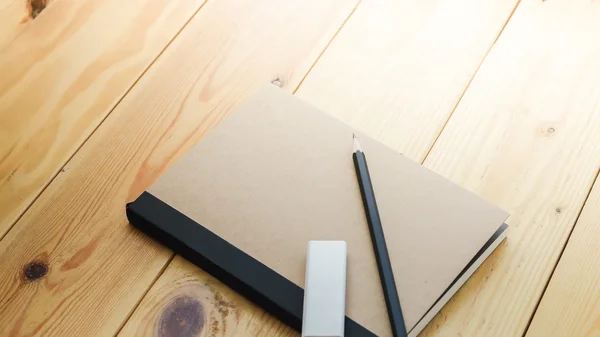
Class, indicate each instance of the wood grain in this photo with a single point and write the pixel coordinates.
(72, 265)
(341, 64)
(571, 304)
(63, 75)
(15, 15)
(146, 317)
(188, 302)
(398, 68)
(525, 136)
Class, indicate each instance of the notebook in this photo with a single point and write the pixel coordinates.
(277, 173)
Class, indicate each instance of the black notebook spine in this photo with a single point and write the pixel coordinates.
(269, 290)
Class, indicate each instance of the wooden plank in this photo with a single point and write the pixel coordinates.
(398, 68)
(15, 15)
(188, 302)
(525, 136)
(72, 265)
(571, 304)
(61, 78)
(374, 18)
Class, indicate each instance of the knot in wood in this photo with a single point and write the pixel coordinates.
(35, 270)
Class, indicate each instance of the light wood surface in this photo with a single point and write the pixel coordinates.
(15, 15)
(319, 86)
(398, 68)
(571, 304)
(63, 75)
(523, 136)
(98, 267)
(186, 301)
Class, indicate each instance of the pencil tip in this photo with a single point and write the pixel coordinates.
(356, 144)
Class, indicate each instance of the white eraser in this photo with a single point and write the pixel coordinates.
(325, 289)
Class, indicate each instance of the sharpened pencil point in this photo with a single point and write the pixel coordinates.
(356, 143)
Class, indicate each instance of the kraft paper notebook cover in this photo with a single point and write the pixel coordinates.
(278, 172)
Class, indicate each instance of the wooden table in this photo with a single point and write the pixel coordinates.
(98, 97)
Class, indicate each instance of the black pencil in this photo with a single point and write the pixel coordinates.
(378, 239)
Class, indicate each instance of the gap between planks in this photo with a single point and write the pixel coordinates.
(159, 274)
(308, 73)
(330, 16)
(470, 81)
(62, 167)
(162, 271)
(564, 247)
(298, 87)
(312, 66)
(532, 108)
(137, 304)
